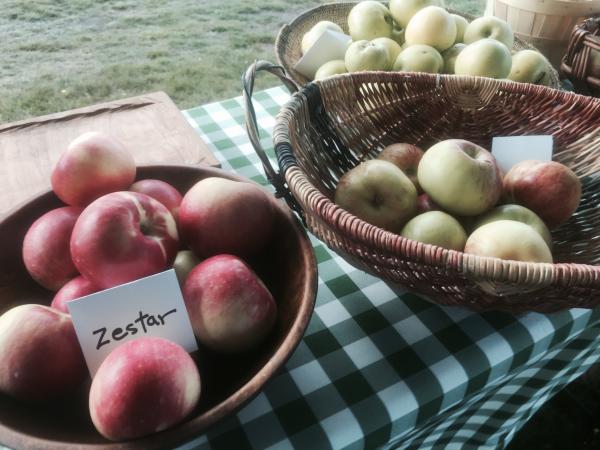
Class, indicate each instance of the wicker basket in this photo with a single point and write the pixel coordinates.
(583, 50)
(329, 126)
(287, 44)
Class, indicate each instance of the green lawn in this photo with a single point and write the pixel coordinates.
(61, 54)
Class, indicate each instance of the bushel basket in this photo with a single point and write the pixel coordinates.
(330, 126)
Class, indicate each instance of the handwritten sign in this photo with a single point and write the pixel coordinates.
(151, 306)
(329, 46)
(511, 150)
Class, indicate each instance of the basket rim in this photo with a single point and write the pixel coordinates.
(477, 268)
(285, 30)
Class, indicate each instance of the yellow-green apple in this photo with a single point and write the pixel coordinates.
(40, 353)
(518, 213)
(230, 308)
(548, 188)
(484, 58)
(366, 55)
(76, 288)
(94, 164)
(224, 216)
(46, 252)
(419, 58)
(161, 191)
(330, 68)
(406, 157)
(123, 236)
(489, 27)
(144, 386)
(508, 239)
(378, 192)
(185, 261)
(398, 34)
(368, 20)
(403, 10)
(426, 204)
(460, 176)
(433, 26)
(392, 47)
(529, 66)
(436, 228)
(315, 33)
(461, 26)
(450, 56)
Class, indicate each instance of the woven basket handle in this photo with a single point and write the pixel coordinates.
(274, 177)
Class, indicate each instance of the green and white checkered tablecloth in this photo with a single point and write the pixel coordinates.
(382, 368)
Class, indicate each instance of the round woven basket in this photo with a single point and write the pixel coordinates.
(330, 126)
(583, 51)
(289, 38)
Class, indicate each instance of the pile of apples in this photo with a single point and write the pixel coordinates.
(113, 231)
(455, 196)
(422, 36)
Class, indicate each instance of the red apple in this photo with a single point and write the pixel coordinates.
(94, 164)
(40, 354)
(161, 191)
(548, 188)
(230, 308)
(224, 216)
(426, 204)
(123, 236)
(142, 387)
(406, 157)
(77, 287)
(46, 251)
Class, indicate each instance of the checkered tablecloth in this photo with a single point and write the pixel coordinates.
(382, 368)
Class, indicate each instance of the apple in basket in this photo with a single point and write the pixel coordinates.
(403, 10)
(379, 193)
(368, 20)
(484, 58)
(331, 68)
(123, 236)
(392, 47)
(461, 26)
(529, 66)
(436, 228)
(508, 239)
(46, 251)
(406, 157)
(450, 56)
(549, 188)
(433, 26)
(366, 55)
(460, 176)
(419, 58)
(135, 378)
(40, 354)
(489, 27)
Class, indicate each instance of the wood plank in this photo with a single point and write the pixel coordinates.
(151, 127)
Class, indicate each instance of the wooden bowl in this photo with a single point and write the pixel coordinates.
(288, 268)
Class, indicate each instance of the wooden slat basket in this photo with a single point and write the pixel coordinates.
(330, 126)
(289, 38)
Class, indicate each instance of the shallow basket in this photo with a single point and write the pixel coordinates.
(578, 62)
(330, 126)
(289, 38)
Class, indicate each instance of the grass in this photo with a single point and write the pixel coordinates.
(62, 54)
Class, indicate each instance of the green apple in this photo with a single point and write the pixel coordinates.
(461, 26)
(369, 20)
(436, 228)
(419, 58)
(398, 34)
(184, 262)
(392, 47)
(509, 239)
(379, 193)
(331, 68)
(433, 26)
(366, 55)
(315, 33)
(490, 27)
(529, 66)
(460, 176)
(484, 58)
(450, 57)
(403, 10)
(520, 214)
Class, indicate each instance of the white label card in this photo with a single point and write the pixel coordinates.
(152, 306)
(329, 46)
(511, 150)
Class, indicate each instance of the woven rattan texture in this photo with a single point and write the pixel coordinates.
(287, 45)
(578, 62)
(332, 125)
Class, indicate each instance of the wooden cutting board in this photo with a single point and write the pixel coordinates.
(151, 126)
